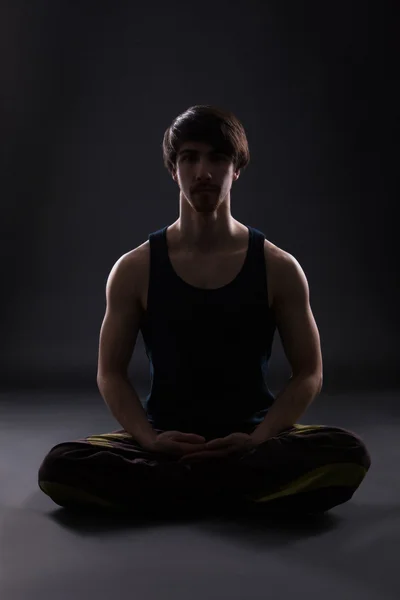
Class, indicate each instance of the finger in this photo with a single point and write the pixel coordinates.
(195, 437)
(215, 452)
(189, 437)
(231, 439)
(218, 443)
(191, 448)
(199, 455)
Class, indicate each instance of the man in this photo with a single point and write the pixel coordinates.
(207, 293)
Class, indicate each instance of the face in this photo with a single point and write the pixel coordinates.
(198, 165)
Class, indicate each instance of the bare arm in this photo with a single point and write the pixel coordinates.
(301, 343)
(118, 337)
(295, 321)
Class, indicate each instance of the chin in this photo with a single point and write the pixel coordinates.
(206, 207)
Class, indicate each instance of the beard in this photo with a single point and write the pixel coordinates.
(205, 202)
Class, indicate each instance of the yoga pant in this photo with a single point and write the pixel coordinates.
(304, 469)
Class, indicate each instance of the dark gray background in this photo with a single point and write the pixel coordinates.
(89, 89)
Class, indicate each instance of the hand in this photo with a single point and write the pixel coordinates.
(175, 442)
(231, 444)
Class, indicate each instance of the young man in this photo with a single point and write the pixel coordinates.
(208, 292)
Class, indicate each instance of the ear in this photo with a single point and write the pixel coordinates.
(236, 175)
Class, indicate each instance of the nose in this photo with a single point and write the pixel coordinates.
(203, 169)
(203, 178)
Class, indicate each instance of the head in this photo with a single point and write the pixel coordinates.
(205, 147)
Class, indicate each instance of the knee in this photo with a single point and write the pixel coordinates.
(357, 449)
(49, 469)
(365, 455)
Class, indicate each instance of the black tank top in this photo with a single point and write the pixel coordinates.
(208, 348)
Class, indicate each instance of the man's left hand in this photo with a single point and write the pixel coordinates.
(231, 444)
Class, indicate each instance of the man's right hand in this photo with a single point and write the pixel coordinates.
(176, 442)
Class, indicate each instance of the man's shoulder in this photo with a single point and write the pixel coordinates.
(137, 258)
(276, 258)
(282, 268)
(133, 265)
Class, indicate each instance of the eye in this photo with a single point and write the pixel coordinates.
(215, 157)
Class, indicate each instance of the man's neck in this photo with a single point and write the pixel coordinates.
(204, 237)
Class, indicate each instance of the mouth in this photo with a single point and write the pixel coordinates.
(206, 190)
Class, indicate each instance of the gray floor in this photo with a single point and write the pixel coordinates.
(352, 552)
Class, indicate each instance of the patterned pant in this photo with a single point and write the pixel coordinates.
(305, 469)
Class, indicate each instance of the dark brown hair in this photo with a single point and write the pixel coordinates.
(209, 124)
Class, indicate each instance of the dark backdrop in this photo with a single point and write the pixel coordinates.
(88, 90)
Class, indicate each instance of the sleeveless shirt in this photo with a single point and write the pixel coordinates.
(208, 349)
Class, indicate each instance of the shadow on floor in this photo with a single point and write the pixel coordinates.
(100, 522)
